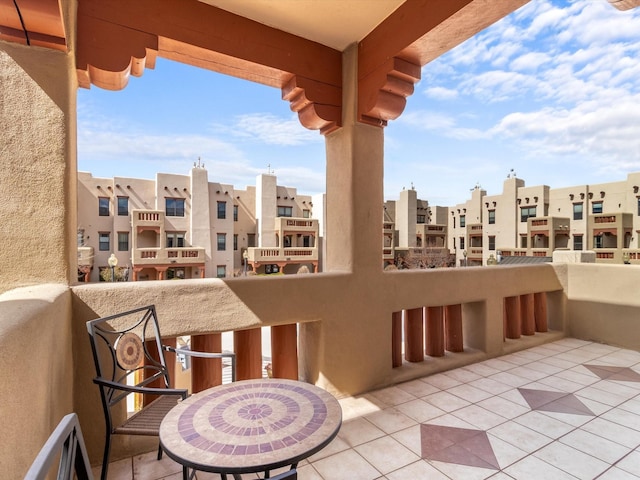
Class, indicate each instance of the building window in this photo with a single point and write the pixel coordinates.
(175, 239)
(577, 242)
(598, 241)
(235, 213)
(285, 211)
(104, 242)
(123, 206)
(577, 211)
(174, 207)
(251, 239)
(454, 222)
(123, 241)
(527, 212)
(271, 269)
(421, 219)
(103, 206)
(639, 206)
(222, 210)
(307, 241)
(492, 217)
(492, 243)
(287, 241)
(463, 220)
(461, 243)
(307, 213)
(222, 241)
(235, 241)
(596, 207)
(221, 271)
(80, 237)
(523, 241)
(175, 274)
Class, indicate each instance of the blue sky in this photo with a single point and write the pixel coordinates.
(552, 91)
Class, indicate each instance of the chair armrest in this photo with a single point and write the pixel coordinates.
(193, 353)
(133, 389)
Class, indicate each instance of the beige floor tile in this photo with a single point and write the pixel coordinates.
(147, 467)
(392, 396)
(545, 368)
(616, 473)
(520, 436)
(503, 407)
(411, 438)
(556, 361)
(572, 461)
(455, 471)
(308, 472)
(626, 390)
(544, 424)
(622, 417)
(631, 463)
(613, 431)
(118, 470)
(359, 430)
(532, 468)
(418, 388)
(417, 470)
(337, 445)
(347, 465)
(608, 398)
(442, 381)
(462, 375)
(446, 401)
(479, 417)
(420, 410)
(450, 420)
(469, 393)
(390, 420)
(386, 454)
(498, 364)
(490, 385)
(506, 454)
(561, 384)
(354, 407)
(509, 378)
(596, 446)
(579, 375)
(482, 369)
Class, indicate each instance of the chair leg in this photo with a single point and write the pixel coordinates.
(105, 457)
(159, 452)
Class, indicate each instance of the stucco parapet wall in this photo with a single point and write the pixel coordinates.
(573, 256)
(211, 305)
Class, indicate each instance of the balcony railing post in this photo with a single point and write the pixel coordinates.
(540, 311)
(527, 314)
(206, 372)
(248, 347)
(284, 351)
(434, 338)
(513, 324)
(453, 328)
(396, 339)
(414, 335)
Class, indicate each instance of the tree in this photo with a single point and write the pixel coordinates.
(428, 258)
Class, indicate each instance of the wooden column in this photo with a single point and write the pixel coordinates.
(434, 337)
(453, 328)
(527, 315)
(206, 372)
(540, 311)
(414, 335)
(248, 347)
(396, 339)
(284, 351)
(513, 327)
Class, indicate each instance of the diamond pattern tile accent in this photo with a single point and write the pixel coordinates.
(608, 372)
(558, 402)
(461, 446)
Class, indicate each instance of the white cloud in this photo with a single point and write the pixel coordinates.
(273, 130)
(441, 93)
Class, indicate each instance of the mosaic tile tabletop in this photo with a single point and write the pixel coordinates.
(251, 425)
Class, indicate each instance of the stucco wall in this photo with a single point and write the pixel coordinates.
(36, 374)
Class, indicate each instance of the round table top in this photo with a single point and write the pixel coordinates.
(250, 426)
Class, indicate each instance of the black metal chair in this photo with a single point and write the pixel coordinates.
(288, 475)
(126, 364)
(67, 444)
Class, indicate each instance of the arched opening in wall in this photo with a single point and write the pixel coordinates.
(188, 169)
(537, 99)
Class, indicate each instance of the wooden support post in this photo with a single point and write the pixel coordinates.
(512, 313)
(248, 347)
(414, 335)
(527, 315)
(434, 338)
(453, 328)
(396, 339)
(284, 351)
(206, 372)
(540, 311)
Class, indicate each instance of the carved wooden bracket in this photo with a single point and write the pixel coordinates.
(318, 105)
(382, 95)
(108, 54)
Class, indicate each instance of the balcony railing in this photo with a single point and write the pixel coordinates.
(160, 256)
(287, 254)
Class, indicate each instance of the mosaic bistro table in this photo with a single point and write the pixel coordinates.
(250, 426)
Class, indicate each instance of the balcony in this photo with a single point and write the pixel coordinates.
(163, 256)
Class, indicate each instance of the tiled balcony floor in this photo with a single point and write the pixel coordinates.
(565, 410)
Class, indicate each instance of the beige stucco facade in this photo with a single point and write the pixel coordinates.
(344, 315)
